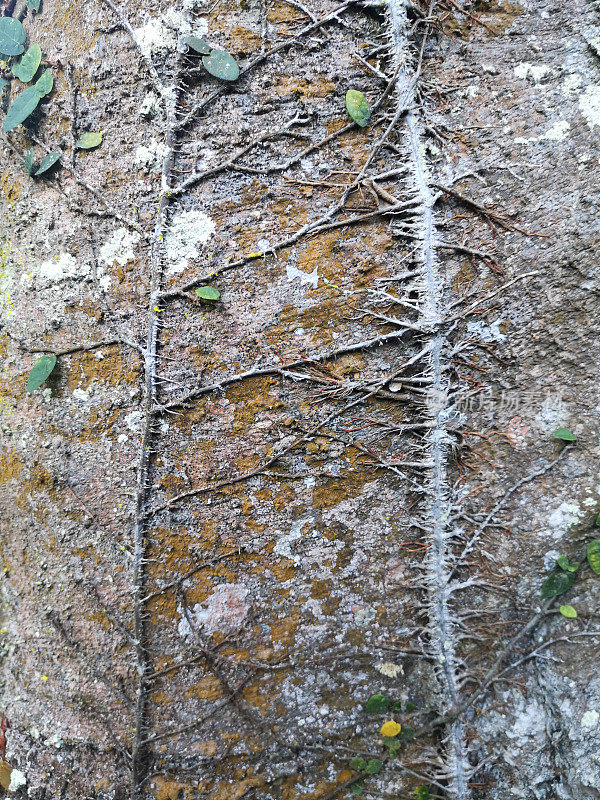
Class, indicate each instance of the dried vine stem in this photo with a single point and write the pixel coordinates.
(441, 625)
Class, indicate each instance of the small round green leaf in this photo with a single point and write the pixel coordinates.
(28, 64)
(593, 555)
(373, 767)
(21, 107)
(358, 764)
(88, 140)
(221, 65)
(48, 162)
(358, 107)
(208, 293)
(44, 83)
(568, 612)
(422, 793)
(378, 704)
(557, 583)
(357, 788)
(12, 36)
(41, 370)
(565, 435)
(198, 45)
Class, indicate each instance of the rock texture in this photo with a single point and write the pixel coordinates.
(228, 524)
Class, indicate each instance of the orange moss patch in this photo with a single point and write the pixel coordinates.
(292, 84)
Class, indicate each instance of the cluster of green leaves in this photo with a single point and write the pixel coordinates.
(382, 704)
(563, 577)
(218, 63)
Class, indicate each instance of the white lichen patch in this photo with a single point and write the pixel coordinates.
(557, 133)
(311, 278)
(62, 266)
(225, 611)
(565, 517)
(487, 333)
(160, 34)
(17, 780)
(150, 158)
(535, 71)
(186, 232)
(590, 719)
(589, 105)
(150, 105)
(119, 249)
(389, 669)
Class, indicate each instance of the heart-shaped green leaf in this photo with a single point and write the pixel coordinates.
(373, 766)
(358, 764)
(41, 370)
(568, 612)
(378, 704)
(208, 293)
(12, 36)
(22, 106)
(221, 65)
(44, 83)
(557, 583)
(28, 64)
(593, 555)
(358, 107)
(88, 140)
(565, 435)
(563, 563)
(197, 45)
(48, 162)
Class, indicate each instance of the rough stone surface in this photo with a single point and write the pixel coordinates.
(272, 596)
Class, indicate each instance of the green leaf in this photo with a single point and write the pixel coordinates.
(406, 733)
(88, 140)
(565, 435)
(373, 766)
(358, 764)
(198, 45)
(33, 5)
(393, 745)
(557, 583)
(222, 65)
(21, 107)
(357, 788)
(44, 83)
(208, 293)
(12, 36)
(28, 64)
(410, 707)
(396, 707)
(41, 370)
(358, 107)
(563, 563)
(48, 162)
(422, 793)
(593, 555)
(597, 523)
(28, 160)
(378, 704)
(568, 612)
